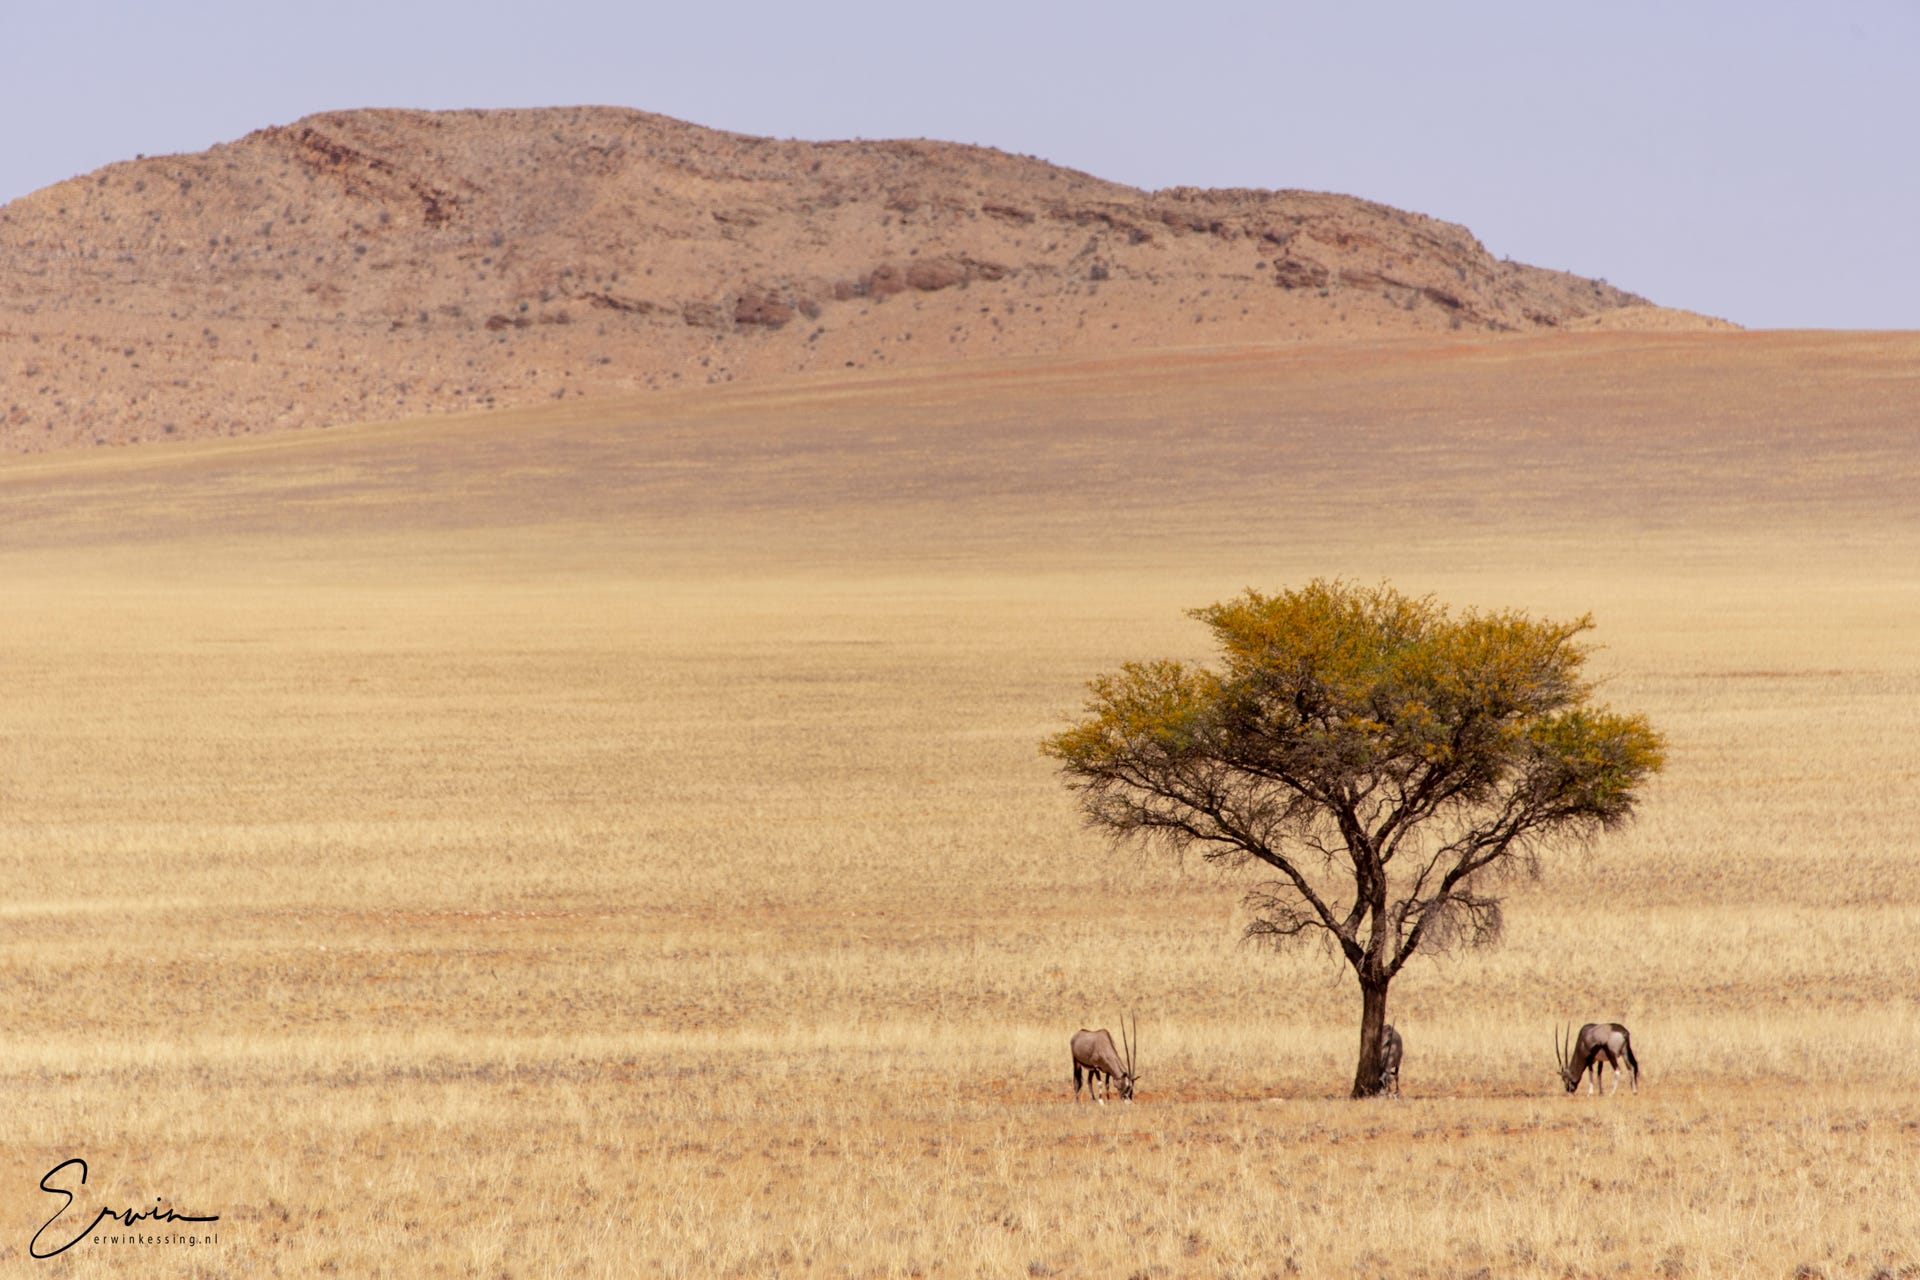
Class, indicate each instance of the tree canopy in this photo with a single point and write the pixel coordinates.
(1386, 758)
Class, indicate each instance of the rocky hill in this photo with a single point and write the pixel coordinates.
(374, 264)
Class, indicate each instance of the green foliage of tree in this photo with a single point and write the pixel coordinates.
(1387, 759)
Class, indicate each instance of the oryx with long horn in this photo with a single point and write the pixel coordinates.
(1598, 1044)
(1094, 1054)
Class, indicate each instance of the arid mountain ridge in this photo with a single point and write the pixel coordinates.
(382, 263)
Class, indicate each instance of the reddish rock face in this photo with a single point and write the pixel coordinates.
(758, 306)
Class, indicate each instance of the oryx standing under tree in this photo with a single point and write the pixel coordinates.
(1598, 1044)
(1093, 1053)
(1390, 1051)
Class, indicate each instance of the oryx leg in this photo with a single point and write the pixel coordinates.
(1076, 1083)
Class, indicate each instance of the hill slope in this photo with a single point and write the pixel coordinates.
(372, 264)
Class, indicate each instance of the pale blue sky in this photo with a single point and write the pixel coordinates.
(1753, 160)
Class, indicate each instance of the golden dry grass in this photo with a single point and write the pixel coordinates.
(615, 842)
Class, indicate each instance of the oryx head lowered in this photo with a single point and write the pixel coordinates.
(1094, 1054)
(1391, 1050)
(1598, 1044)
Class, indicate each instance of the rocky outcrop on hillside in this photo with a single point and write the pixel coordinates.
(375, 264)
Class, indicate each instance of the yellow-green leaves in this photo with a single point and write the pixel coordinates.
(1392, 684)
(1154, 708)
(1593, 759)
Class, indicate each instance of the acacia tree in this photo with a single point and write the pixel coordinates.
(1388, 760)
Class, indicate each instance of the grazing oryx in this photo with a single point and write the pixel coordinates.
(1093, 1052)
(1598, 1044)
(1390, 1051)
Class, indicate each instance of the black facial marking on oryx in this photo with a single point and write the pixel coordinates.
(1598, 1044)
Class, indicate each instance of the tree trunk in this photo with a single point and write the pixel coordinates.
(1373, 1016)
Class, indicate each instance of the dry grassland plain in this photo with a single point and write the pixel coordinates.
(613, 840)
